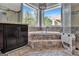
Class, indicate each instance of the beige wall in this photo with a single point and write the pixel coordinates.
(75, 20)
(75, 16)
(12, 17)
(9, 17)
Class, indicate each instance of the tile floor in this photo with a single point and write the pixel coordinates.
(27, 51)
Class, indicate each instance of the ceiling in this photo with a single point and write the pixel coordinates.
(48, 5)
(17, 6)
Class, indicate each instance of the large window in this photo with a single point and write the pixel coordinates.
(29, 15)
(52, 17)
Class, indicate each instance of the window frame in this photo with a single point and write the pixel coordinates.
(35, 11)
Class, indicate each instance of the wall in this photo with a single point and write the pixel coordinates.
(75, 15)
(75, 18)
(8, 17)
(8, 14)
(12, 17)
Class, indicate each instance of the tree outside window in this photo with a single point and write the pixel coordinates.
(29, 16)
(52, 17)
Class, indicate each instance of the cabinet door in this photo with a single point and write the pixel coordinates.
(11, 35)
(23, 35)
(1, 36)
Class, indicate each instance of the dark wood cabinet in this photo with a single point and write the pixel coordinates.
(13, 36)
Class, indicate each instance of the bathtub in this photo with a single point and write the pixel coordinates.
(44, 40)
(43, 35)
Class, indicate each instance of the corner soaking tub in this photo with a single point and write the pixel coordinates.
(44, 40)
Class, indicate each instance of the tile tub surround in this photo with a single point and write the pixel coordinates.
(43, 35)
(44, 40)
(54, 28)
(45, 44)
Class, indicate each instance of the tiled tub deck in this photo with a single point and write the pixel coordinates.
(45, 40)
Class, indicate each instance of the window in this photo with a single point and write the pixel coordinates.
(52, 17)
(29, 15)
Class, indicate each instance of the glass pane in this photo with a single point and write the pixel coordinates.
(29, 15)
(52, 17)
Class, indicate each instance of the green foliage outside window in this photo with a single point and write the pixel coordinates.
(30, 21)
(47, 22)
